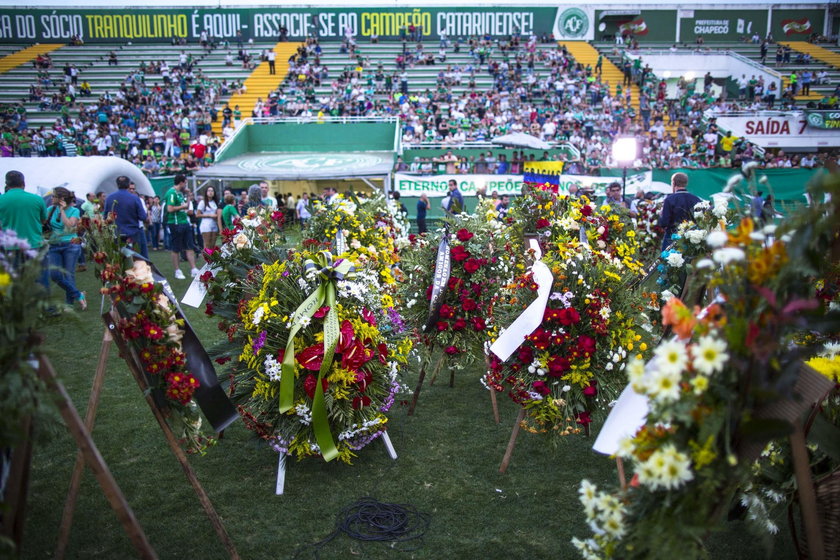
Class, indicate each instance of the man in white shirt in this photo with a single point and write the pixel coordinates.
(267, 200)
(302, 212)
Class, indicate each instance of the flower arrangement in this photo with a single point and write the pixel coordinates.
(569, 366)
(22, 312)
(481, 262)
(707, 388)
(150, 324)
(317, 349)
(689, 248)
(648, 233)
(358, 229)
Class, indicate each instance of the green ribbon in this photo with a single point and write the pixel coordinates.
(329, 273)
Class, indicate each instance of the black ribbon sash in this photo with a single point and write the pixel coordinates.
(210, 396)
(443, 269)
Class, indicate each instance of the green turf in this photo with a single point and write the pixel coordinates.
(449, 454)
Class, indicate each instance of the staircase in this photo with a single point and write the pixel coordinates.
(587, 55)
(261, 83)
(23, 56)
(818, 55)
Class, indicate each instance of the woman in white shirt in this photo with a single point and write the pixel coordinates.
(210, 213)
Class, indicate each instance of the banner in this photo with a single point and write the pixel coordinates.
(723, 25)
(266, 23)
(780, 130)
(823, 119)
(438, 185)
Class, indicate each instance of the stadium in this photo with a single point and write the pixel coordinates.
(328, 162)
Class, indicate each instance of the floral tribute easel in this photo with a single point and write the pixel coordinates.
(166, 359)
(718, 420)
(30, 384)
(314, 342)
(572, 320)
(449, 303)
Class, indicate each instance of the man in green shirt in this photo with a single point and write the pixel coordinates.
(180, 231)
(89, 206)
(21, 211)
(24, 213)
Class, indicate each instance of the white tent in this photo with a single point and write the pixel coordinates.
(79, 174)
(521, 140)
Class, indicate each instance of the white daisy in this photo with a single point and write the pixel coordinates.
(709, 355)
(664, 385)
(672, 356)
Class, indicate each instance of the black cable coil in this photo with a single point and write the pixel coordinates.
(370, 520)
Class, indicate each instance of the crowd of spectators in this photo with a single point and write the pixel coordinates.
(538, 89)
(536, 86)
(159, 117)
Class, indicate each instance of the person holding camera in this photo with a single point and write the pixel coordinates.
(65, 245)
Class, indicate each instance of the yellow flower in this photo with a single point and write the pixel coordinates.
(5, 281)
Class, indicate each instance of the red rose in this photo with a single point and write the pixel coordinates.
(464, 235)
(478, 323)
(541, 388)
(446, 311)
(543, 223)
(569, 316)
(459, 324)
(583, 418)
(452, 350)
(472, 265)
(442, 326)
(459, 253)
(477, 289)
(309, 384)
(592, 390)
(455, 283)
(469, 305)
(586, 210)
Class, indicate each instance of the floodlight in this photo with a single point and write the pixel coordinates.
(624, 150)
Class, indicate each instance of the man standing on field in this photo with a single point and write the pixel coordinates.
(180, 230)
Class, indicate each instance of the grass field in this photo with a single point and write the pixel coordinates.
(449, 454)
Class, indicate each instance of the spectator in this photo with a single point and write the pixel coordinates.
(423, 206)
(677, 208)
(178, 223)
(129, 214)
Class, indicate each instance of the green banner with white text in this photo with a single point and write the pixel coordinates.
(265, 24)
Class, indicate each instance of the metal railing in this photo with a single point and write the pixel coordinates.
(486, 145)
(741, 58)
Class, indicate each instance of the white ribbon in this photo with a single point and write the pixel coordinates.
(532, 317)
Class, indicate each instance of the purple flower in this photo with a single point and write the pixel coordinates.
(259, 343)
(396, 320)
